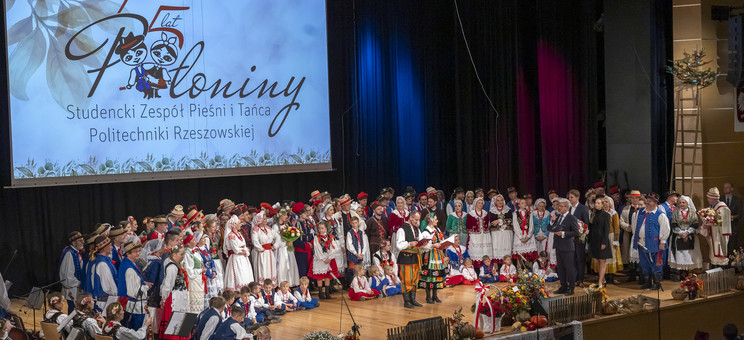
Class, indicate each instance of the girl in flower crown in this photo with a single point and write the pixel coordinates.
(324, 268)
(85, 316)
(114, 329)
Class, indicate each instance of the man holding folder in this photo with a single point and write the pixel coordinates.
(566, 227)
(409, 262)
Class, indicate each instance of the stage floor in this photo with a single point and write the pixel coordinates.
(376, 316)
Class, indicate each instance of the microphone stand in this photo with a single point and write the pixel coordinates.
(355, 328)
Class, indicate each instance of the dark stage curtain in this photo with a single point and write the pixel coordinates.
(406, 109)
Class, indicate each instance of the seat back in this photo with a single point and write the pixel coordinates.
(50, 331)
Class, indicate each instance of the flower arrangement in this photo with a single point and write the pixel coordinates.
(737, 260)
(514, 300)
(291, 234)
(531, 285)
(594, 289)
(321, 335)
(498, 305)
(583, 231)
(709, 215)
(692, 285)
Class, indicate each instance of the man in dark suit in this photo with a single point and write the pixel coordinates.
(734, 204)
(581, 212)
(566, 228)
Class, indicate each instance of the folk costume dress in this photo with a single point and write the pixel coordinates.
(361, 287)
(488, 270)
(192, 263)
(456, 225)
(684, 253)
(212, 247)
(540, 222)
(238, 271)
(325, 247)
(175, 291)
(544, 271)
(626, 225)
(479, 235)
(469, 275)
(396, 220)
(433, 265)
(524, 228)
(502, 235)
(336, 230)
(383, 258)
(457, 256)
(264, 239)
(286, 263)
(304, 299)
(614, 264)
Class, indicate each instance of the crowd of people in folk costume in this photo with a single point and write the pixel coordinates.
(240, 269)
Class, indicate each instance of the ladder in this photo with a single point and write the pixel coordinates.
(688, 160)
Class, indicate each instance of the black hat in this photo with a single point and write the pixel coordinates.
(653, 196)
(672, 193)
(509, 190)
(552, 191)
(526, 196)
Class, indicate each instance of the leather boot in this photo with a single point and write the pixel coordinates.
(632, 272)
(641, 279)
(434, 296)
(428, 296)
(647, 281)
(610, 279)
(407, 300)
(657, 282)
(413, 299)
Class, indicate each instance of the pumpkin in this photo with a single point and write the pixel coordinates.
(539, 320)
(480, 334)
(467, 331)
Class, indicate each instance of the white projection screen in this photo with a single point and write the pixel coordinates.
(127, 90)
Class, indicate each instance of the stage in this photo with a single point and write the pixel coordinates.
(376, 316)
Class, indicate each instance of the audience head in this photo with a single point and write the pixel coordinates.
(730, 332)
(573, 196)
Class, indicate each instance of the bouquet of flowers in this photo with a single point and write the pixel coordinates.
(514, 300)
(709, 215)
(488, 308)
(692, 285)
(737, 260)
(290, 234)
(531, 285)
(583, 231)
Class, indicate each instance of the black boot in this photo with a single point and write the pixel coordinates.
(610, 279)
(407, 300)
(632, 273)
(428, 296)
(413, 299)
(647, 281)
(641, 279)
(321, 292)
(657, 282)
(434, 295)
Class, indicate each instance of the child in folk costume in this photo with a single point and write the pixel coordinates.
(269, 297)
(265, 241)
(288, 300)
(210, 319)
(540, 222)
(502, 228)
(390, 283)
(115, 329)
(457, 255)
(85, 316)
(303, 246)
(433, 259)
(357, 248)
(153, 271)
(325, 249)
(384, 257)
(238, 271)
(456, 222)
(684, 245)
(54, 314)
(192, 263)
(396, 219)
(304, 299)
(542, 268)
(103, 274)
(132, 287)
(212, 286)
(488, 273)
(508, 271)
(469, 274)
(377, 280)
(233, 328)
(212, 246)
(174, 290)
(361, 286)
(524, 238)
(479, 235)
(333, 228)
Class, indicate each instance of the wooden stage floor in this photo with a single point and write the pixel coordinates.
(376, 316)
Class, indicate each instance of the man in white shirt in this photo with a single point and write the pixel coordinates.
(652, 232)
